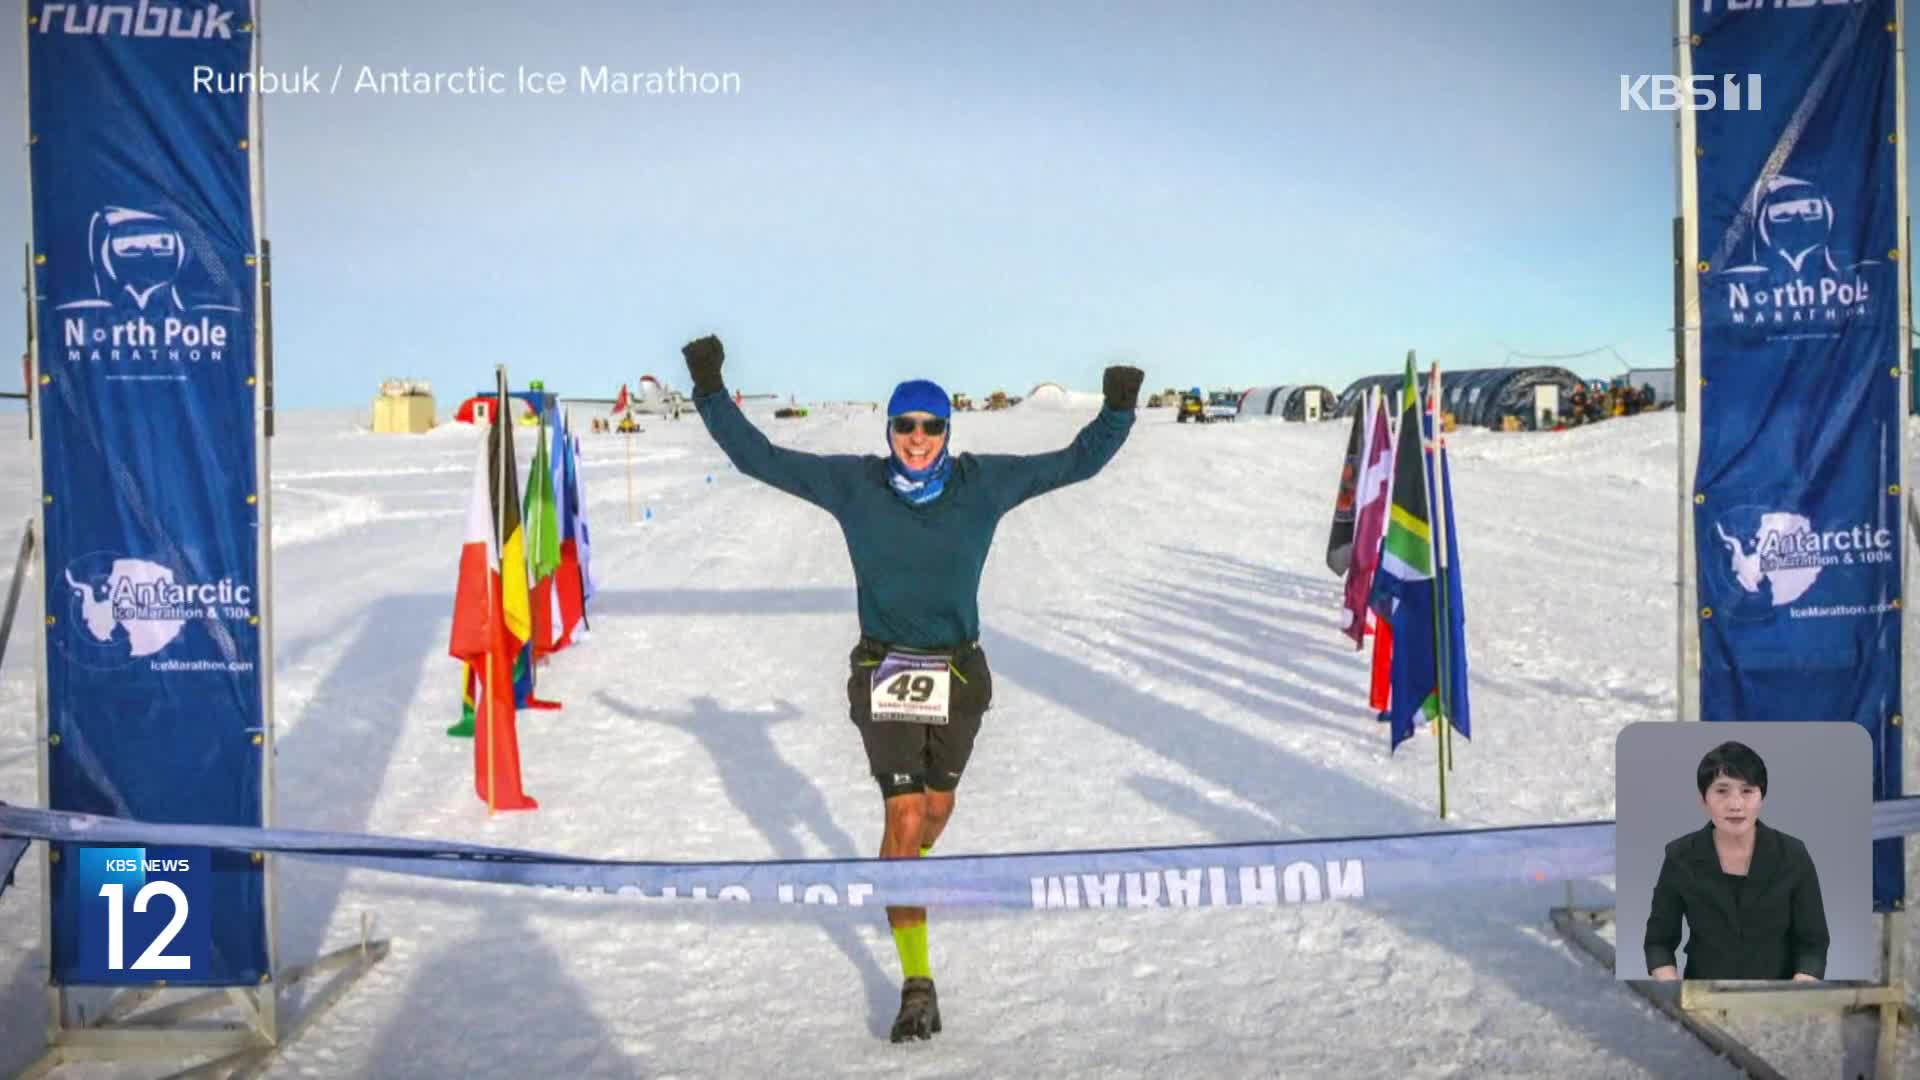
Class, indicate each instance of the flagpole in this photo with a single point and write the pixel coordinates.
(531, 525)
(1439, 625)
(1443, 592)
(539, 540)
(627, 437)
(1361, 461)
(496, 610)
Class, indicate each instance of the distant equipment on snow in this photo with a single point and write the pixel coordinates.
(1223, 405)
(653, 398)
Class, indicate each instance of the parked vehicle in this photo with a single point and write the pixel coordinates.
(1192, 407)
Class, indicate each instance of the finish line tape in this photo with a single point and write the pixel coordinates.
(1205, 875)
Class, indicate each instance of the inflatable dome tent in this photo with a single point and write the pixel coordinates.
(479, 410)
(1304, 401)
(1482, 397)
(1053, 395)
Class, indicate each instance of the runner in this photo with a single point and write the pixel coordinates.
(918, 524)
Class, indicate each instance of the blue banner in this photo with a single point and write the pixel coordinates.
(144, 253)
(1357, 868)
(1797, 523)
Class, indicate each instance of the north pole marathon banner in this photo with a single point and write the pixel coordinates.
(144, 293)
(1797, 520)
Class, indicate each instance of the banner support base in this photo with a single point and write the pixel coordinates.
(246, 1046)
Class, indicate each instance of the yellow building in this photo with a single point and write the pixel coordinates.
(405, 406)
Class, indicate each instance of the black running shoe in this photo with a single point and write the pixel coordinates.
(919, 1011)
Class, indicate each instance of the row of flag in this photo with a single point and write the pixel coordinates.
(525, 582)
(1400, 554)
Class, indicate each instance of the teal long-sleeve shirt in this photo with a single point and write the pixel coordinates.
(916, 568)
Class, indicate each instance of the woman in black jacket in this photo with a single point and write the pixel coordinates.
(1749, 893)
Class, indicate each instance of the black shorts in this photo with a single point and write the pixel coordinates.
(907, 757)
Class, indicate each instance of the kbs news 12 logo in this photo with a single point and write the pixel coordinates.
(144, 913)
(1698, 93)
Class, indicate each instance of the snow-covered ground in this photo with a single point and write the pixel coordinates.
(1168, 669)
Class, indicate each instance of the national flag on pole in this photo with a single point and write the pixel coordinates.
(579, 533)
(522, 692)
(543, 543)
(1341, 535)
(1403, 584)
(1380, 685)
(469, 696)
(523, 678)
(491, 617)
(620, 407)
(1453, 641)
(569, 588)
(1370, 515)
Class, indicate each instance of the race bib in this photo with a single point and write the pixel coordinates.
(911, 689)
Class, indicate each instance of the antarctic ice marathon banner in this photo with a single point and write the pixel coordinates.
(144, 292)
(1353, 869)
(1797, 521)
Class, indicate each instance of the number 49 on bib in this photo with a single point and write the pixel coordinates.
(144, 914)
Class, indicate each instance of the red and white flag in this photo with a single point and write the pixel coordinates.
(1370, 515)
(491, 621)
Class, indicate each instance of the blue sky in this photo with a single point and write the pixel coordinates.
(983, 194)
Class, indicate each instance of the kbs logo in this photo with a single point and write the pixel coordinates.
(147, 19)
(1669, 93)
(145, 913)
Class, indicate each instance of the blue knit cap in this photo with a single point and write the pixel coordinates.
(920, 395)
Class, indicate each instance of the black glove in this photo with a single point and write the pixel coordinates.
(1122, 387)
(704, 358)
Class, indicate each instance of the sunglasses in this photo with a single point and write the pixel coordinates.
(904, 425)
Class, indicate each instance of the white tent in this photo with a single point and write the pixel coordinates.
(1054, 396)
(1294, 401)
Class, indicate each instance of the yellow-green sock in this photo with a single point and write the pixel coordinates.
(924, 849)
(912, 943)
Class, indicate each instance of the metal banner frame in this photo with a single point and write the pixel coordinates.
(156, 1021)
(1702, 1006)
